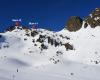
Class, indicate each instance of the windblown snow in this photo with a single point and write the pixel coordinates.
(48, 55)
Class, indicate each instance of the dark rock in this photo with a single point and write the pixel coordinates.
(43, 47)
(0, 36)
(41, 38)
(68, 46)
(11, 28)
(56, 43)
(72, 74)
(65, 37)
(0, 47)
(53, 41)
(27, 34)
(55, 61)
(34, 33)
(6, 46)
(33, 41)
(35, 44)
(94, 18)
(85, 25)
(25, 39)
(24, 27)
(58, 53)
(74, 23)
(50, 40)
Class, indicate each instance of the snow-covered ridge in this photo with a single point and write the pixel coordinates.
(40, 43)
(40, 54)
(80, 46)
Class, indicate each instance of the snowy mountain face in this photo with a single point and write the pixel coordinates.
(41, 54)
(40, 43)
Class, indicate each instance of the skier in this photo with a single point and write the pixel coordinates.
(17, 70)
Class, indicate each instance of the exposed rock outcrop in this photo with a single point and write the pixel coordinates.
(68, 46)
(11, 28)
(74, 23)
(93, 19)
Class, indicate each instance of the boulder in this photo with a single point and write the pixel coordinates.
(68, 46)
(74, 23)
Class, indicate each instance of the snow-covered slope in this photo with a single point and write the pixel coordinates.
(48, 55)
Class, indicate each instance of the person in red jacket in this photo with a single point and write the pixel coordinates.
(33, 27)
(17, 23)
